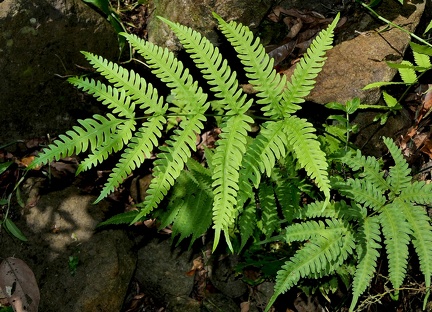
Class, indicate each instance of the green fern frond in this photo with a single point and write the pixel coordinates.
(269, 212)
(287, 192)
(399, 175)
(303, 78)
(226, 163)
(215, 69)
(304, 143)
(195, 214)
(419, 192)
(304, 231)
(258, 66)
(93, 133)
(247, 222)
(117, 141)
(121, 218)
(337, 209)
(188, 97)
(115, 99)
(139, 148)
(396, 232)
(419, 222)
(368, 238)
(136, 87)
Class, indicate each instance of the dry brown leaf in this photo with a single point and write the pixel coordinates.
(427, 148)
(197, 265)
(281, 53)
(245, 306)
(407, 137)
(295, 29)
(19, 285)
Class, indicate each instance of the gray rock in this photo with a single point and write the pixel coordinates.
(40, 42)
(197, 14)
(225, 280)
(219, 302)
(161, 270)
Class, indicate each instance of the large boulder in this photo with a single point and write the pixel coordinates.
(40, 45)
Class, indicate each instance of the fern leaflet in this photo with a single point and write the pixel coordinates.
(117, 141)
(303, 78)
(226, 161)
(269, 213)
(368, 238)
(93, 133)
(258, 66)
(399, 175)
(171, 162)
(304, 143)
(139, 148)
(396, 232)
(136, 87)
(215, 69)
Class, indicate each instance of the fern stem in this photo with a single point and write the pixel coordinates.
(395, 25)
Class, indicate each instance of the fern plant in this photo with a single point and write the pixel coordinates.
(381, 210)
(139, 116)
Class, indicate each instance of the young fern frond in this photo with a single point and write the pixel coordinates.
(399, 175)
(269, 213)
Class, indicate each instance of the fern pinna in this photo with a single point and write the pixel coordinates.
(386, 209)
(139, 117)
